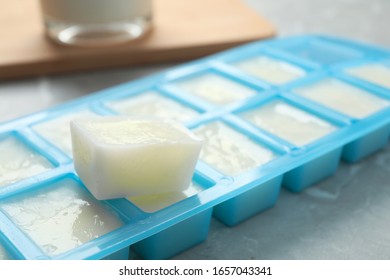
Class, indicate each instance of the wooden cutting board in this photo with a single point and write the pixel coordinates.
(183, 29)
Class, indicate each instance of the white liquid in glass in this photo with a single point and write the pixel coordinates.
(270, 70)
(152, 104)
(96, 22)
(95, 11)
(18, 161)
(61, 217)
(216, 89)
(289, 123)
(344, 98)
(229, 151)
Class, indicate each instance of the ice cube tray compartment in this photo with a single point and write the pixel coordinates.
(229, 99)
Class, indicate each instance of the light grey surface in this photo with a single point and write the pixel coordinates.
(344, 217)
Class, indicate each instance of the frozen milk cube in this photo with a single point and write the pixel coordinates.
(155, 202)
(343, 98)
(61, 217)
(375, 73)
(288, 122)
(215, 89)
(18, 161)
(152, 104)
(229, 151)
(57, 130)
(270, 70)
(119, 157)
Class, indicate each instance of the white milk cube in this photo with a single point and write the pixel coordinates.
(288, 122)
(61, 217)
(119, 157)
(18, 161)
(375, 73)
(270, 70)
(215, 89)
(57, 130)
(343, 98)
(155, 202)
(3, 254)
(229, 151)
(152, 104)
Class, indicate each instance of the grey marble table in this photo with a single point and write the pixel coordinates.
(344, 217)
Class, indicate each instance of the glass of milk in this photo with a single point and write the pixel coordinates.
(96, 22)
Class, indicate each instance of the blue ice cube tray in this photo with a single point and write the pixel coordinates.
(231, 199)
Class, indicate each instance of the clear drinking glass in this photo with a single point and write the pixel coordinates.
(96, 22)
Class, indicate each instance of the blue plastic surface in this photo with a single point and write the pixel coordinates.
(183, 220)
